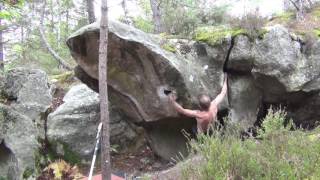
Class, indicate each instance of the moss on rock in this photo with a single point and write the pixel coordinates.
(63, 78)
(214, 35)
(169, 47)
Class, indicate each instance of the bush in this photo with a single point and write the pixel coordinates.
(252, 23)
(143, 24)
(282, 154)
(274, 122)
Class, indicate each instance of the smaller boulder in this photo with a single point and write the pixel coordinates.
(73, 126)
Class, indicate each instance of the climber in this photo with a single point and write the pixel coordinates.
(208, 109)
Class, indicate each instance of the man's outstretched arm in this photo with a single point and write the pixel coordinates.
(180, 109)
(223, 92)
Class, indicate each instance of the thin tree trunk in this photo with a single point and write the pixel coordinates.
(59, 24)
(46, 43)
(67, 24)
(1, 46)
(52, 16)
(103, 91)
(127, 20)
(90, 10)
(156, 15)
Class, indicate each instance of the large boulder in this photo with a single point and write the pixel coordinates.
(29, 92)
(27, 96)
(18, 144)
(73, 126)
(245, 100)
(140, 72)
(274, 69)
(283, 74)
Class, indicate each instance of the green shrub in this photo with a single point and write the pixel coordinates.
(281, 154)
(169, 47)
(143, 24)
(274, 122)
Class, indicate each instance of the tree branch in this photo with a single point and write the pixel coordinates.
(295, 5)
(49, 48)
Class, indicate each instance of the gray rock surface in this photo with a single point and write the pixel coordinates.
(29, 93)
(140, 70)
(28, 96)
(75, 122)
(283, 73)
(18, 143)
(245, 100)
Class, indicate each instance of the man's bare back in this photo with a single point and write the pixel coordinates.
(209, 109)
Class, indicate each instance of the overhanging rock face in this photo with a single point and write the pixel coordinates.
(277, 69)
(139, 72)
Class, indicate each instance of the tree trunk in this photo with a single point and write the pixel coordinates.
(59, 24)
(301, 12)
(46, 43)
(67, 25)
(90, 10)
(127, 20)
(156, 15)
(1, 46)
(299, 5)
(103, 91)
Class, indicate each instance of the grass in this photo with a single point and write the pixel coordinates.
(284, 17)
(278, 154)
(169, 47)
(215, 35)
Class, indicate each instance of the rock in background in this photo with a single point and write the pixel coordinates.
(27, 96)
(73, 126)
(281, 73)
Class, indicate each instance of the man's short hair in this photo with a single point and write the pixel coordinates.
(204, 102)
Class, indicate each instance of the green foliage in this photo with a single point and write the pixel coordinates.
(28, 172)
(282, 155)
(216, 15)
(180, 17)
(9, 10)
(285, 17)
(143, 24)
(274, 122)
(214, 35)
(317, 32)
(169, 47)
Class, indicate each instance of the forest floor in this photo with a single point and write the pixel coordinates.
(134, 164)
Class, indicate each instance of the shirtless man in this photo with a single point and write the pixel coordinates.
(208, 109)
